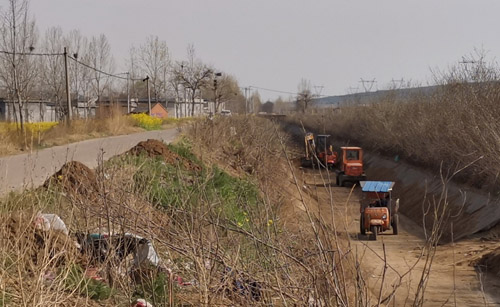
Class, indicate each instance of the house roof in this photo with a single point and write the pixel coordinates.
(162, 106)
(145, 108)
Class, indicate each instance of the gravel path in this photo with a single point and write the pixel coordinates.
(28, 170)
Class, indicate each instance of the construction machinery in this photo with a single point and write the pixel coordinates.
(379, 212)
(318, 152)
(351, 166)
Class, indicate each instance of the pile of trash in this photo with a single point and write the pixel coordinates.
(155, 148)
(46, 237)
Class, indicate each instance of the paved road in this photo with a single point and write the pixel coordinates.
(32, 169)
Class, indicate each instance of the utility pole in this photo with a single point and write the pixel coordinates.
(246, 100)
(75, 55)
(251, 102)
(216, 98)
(466, 63)
(401, 81)
(165, 80)
(68, 95)
(318, 89)
(149, 94)
(369, 82)
(128, 92)
(353, 90)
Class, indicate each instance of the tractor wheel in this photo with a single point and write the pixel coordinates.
(341, 180)
(395, 224)
(374, 230)
(337, 180)
(362, 229)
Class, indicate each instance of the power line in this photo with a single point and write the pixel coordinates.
(31, 53)
(282, 92)
(72, 58)
(271, 90)
(103, 72)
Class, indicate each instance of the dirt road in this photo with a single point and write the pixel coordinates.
(448, 284)
(31, 169)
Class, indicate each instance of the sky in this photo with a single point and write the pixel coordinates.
(273, 44)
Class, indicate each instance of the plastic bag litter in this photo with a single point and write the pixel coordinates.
(46, 222)
(124, 244)
(145, 252)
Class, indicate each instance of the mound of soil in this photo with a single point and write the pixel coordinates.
(155, 148)
(489, 262)
(76, 179)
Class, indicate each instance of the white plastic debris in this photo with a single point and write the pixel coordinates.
(46, 222)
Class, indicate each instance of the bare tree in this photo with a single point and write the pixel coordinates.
(223, 89)
(52, 70)
(153, 60)
(80, 85)
(255, 102)
(279, 105)
(18, 37)
(99, 56)
(175, 85)
(192, 74)
(305, 95)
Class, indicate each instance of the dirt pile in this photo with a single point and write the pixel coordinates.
(75, 179)
(155, 148)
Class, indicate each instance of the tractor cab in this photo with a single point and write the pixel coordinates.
(351, 166)
(379, 212)
(352, 161)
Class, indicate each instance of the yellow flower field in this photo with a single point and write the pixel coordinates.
(146, 121)
(33, 128)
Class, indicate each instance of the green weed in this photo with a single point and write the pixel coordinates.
(92, 288)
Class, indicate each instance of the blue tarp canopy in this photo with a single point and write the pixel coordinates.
(377, 186)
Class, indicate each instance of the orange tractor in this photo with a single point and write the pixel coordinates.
(351, 167)
(319, 152)
(379, 212)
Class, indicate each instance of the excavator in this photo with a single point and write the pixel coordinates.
(318, 152)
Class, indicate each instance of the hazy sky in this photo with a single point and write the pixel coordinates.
(274, 43)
